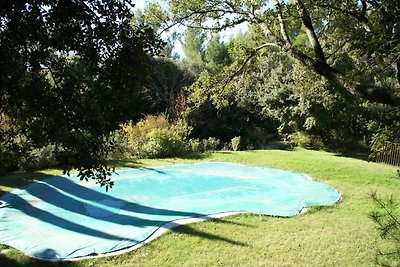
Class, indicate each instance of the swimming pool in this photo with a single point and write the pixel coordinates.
(62, 218)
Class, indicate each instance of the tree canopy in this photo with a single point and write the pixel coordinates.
(70, 73)
(73, 72)
(350, 43)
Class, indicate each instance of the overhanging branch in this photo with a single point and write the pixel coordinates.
(361, 17)
(312, 37)
(244, 63)
(282, 25)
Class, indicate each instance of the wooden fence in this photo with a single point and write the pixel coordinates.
(390, 154)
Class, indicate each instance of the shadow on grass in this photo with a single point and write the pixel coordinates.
(278, 146)
(225, 221)
(20, 260)
(357, 155)
(188, 230)
(16, 180)
(196, 156)
(128, 163)
(316, 209)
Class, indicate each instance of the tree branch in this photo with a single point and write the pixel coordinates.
(370, 92)
(317, 62)
(398, 70)
(312, 37)
(338, 48)
(265, 28)
(223, 12)
(360, 17)
(363, 13)
(220, 28)
(247, 59)
(282, 25)
(53, 77)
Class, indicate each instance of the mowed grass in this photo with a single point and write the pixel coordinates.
(341, 235)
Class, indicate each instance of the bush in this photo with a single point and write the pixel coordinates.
(121, 149)
(300, 139)
(135, 134)
(13, 145)
(235, 143)
(40, 158)
(195, 145)
(211, 144)
(154, 137)
(17, 153)
(305, 140)
(225, 146)
(162, 143)
(249, 143)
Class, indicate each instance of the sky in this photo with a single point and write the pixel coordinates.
(225, 35)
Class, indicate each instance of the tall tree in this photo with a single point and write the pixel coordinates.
(168, 79)
(216, 54)
(70, 73)
(193, 47)
(316, 33)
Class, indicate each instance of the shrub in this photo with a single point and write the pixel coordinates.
(225, 146)
(17, 153)
(13, 145)
(305, 140)
(162, 143)
(235, 143)
(195, 145)
(135, 134)
(300, 139)
(211, 144)
(154, 137)
(39, 158)
(121, 149)
(249, 143)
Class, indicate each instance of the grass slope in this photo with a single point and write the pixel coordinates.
(341, 235)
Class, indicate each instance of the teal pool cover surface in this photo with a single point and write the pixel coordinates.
(62, 218)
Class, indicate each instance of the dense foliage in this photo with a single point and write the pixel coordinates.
(70, 72)
(163, 91)
(299, 70)
(156, 137)
(315, 73)
(323, 36)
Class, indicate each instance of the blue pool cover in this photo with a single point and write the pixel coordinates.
(62, 218)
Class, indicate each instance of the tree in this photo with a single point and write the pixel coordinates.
(216, 54)
(193, 48)
(70, 73)
(387, 221)
(168, 79)
(276, 92)
(316, 33)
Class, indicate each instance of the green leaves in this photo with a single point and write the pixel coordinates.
(71, 72)
(193, 47)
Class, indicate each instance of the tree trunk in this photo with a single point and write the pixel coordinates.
(319, 65)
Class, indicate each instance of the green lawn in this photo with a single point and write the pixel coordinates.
(342, 235)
